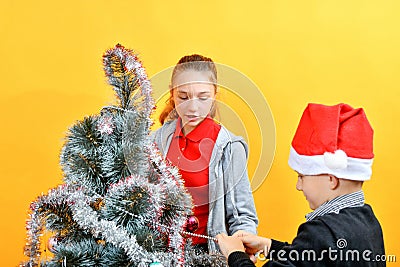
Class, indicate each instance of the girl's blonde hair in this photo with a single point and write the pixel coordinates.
(192, 62)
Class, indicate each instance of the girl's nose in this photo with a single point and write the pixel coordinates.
(192, 104)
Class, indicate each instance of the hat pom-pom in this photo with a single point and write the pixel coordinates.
(337, 160)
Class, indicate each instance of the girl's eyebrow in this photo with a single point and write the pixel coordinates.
(180, 91)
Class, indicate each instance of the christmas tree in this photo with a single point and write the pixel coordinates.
(121, 204)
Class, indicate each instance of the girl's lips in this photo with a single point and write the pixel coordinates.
(192, 117)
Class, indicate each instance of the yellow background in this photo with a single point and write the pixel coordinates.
(295, 51)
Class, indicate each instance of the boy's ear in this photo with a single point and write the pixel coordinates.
(333, 182)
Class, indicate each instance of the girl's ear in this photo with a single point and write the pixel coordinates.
(334, 182)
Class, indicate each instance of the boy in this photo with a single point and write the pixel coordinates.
(332, 154)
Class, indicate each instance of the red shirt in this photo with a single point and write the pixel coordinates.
(191, 154)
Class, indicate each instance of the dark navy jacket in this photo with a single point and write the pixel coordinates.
(353, 237)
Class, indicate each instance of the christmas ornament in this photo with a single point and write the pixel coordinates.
(156, 264)
(192, 224)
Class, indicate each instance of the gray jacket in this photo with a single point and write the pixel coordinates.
(231, 202)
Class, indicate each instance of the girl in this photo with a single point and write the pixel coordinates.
(211, 160)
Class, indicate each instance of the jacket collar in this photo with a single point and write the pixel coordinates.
(224, 137)
(351, 200)
(201, 131)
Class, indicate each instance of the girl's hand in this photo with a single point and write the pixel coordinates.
(253, 244)
(229, 244)
(241, 233)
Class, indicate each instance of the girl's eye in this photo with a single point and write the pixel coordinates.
(183, 97)
(204, 98)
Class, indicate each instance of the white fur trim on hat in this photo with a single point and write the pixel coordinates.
(355, 169)
(337, 160)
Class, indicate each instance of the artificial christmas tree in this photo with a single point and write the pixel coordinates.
(121, 204)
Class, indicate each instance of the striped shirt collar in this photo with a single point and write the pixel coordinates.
(351, 200)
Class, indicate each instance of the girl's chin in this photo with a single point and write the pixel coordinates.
(190, 124)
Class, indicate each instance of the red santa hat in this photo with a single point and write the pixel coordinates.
(333, 140)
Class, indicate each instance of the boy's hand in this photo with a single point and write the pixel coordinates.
(241, 234)
(254, 244)
(229, 244)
